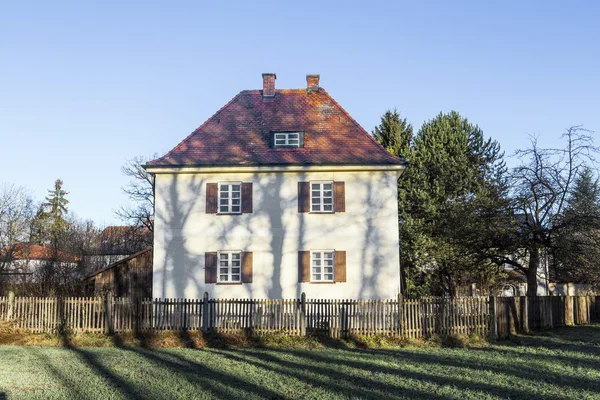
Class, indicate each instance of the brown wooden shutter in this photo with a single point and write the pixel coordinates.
(210, 267)
(340, 266)
(247, 197)
(339, 196)
(212, 195)
(246, 267)
(303, 197)
(304, 266)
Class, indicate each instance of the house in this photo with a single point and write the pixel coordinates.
(116, 243)
(26, 263)
(128, 277)
(278, 193)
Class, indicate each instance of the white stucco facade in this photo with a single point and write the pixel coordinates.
(275, 231)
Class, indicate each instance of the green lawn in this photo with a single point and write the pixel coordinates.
(561, 364)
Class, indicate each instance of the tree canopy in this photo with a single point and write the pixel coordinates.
(394, 133)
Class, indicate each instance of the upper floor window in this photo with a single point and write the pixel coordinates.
(321, 197)
(230, 266)
(230, 198)
(287, 139)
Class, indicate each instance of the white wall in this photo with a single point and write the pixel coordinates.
(275, 232)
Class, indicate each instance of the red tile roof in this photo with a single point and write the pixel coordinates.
(239, 134)
(27, 251)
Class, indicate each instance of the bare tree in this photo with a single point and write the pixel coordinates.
(16, 212)
(541, 185)
(140, 191)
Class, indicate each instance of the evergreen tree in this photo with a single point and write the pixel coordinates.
(394, 133)
(577, 254)
(55, 211)
(452, 202)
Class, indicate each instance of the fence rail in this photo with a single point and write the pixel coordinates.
(409, 318)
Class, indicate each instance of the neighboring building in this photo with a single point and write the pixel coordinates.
(129, 277)
(572, 289)
(280, 192)
(26, 263)
(28, 258)
(115, 243)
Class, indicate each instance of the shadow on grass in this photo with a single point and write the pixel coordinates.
(353, 371)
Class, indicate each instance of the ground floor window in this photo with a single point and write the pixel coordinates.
(230, 265)
(321, 262)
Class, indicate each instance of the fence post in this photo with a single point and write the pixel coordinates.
(11, 305)
(400, 315)
(525, 315)
(108, 327)
(303, 314)
(205, 318)
(493, 318)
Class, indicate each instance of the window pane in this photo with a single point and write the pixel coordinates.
(328, 254)
(329, 277)
(327, 186)
(223, 270)
(224, 188)
(223, 277)
(328, 193)
(223, 202)
(223, 209)
(316, 255)
(316, 200)
(316, 186)
(237, 270)
(235, 256)
(327, 200)
(327, 208)
(224, 195)
(235, 278)
(316, 277)
(235, 209)
(315, 207)
(235, 188)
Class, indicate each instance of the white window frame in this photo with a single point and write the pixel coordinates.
(230, 199)
(228, 257)
(321, 197)
(286, 139)
(322, 272)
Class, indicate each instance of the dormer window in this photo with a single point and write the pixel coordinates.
(287, 139)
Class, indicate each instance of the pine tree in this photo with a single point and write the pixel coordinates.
(394, 133)
(577, 255)
(452, 198)
(55, 211)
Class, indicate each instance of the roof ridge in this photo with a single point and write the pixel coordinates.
(363, 130)
(188, 137)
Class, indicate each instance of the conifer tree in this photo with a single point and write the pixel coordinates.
(577, 254)
(55, 211)
(452, 198)
(394, 133)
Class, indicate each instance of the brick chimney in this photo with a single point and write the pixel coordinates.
(269, 84)
(312, 82)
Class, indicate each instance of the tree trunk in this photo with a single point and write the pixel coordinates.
(534, 262)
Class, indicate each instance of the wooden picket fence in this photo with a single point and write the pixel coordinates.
(409, 318)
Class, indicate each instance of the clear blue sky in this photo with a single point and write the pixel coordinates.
(84, 87)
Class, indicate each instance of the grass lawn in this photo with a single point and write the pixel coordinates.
(558, 364)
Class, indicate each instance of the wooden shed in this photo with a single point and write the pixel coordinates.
(129, 277)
